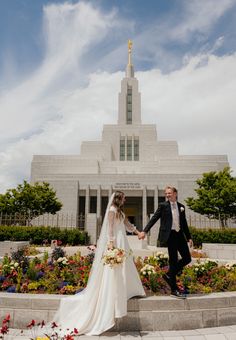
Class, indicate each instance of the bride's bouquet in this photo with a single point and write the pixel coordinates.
(113, 257)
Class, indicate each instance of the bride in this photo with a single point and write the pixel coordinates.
(93, 311)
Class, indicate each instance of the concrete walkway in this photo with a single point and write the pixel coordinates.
(216, 333)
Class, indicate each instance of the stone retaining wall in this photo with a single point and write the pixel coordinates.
(147, 314)
(7, 247)
(220, 251)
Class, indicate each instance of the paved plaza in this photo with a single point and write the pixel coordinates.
(215, 333)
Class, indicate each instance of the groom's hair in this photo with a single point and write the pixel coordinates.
(171, 188)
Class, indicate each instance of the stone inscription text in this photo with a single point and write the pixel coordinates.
(127, 186)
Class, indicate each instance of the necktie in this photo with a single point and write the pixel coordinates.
(175, 217)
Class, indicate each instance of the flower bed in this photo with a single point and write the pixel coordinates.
(60, 274)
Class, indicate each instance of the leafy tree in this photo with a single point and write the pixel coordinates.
(30, 200)
(216, 196)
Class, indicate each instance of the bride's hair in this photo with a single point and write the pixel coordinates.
(118, 203)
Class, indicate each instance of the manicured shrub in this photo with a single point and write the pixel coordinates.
(38, 235)
(200, 236)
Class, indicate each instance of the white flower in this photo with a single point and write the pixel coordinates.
(181, 208)
(147, 270)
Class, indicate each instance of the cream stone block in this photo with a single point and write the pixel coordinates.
(16, 301)
(209, 318)
(130, 322)
(161, 304)
(145, 320)
(22, 317)
(226, 316)
(186, 320)
(204, 302)
(45, 304)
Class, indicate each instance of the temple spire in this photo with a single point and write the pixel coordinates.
(129, 68)
(130, 43)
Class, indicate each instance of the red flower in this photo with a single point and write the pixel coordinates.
(69, 337)
(4, 329)
(31, 324)
(76, 331)
(7, 319)
(54, 325)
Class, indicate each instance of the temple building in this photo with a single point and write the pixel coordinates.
(130, 158)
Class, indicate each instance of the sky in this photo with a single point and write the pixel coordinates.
(61, 64)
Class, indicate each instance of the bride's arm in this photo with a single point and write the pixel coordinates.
(111, 222)
(130, 227)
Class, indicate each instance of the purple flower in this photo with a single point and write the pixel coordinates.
(11, 289)
(39, 275)
(63, 284)
(2, 278)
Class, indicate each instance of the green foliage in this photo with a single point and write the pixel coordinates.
(216, 196)
(30, 200)
(200, 236)
(38, 235)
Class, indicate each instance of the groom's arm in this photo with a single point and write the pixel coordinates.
(152, 221)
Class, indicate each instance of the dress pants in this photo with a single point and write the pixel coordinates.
(177, 243)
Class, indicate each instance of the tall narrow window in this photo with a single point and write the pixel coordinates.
(129, 106)
(122, 148)
(129, 149)
(136, 149)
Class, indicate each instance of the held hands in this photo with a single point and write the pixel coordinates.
(141, 235)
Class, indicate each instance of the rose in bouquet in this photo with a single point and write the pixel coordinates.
(113, 257)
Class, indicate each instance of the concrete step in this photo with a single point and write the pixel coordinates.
(152, 313)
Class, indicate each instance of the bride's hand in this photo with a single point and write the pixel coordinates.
(110, 245)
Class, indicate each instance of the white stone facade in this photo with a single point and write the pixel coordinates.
(130, 158)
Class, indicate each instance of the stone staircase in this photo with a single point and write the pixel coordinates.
(153, 313)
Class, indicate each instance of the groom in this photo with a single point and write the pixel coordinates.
(174, 233)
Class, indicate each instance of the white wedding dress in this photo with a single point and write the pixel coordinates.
(93, 311)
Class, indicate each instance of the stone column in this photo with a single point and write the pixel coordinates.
(152, 239)
(77, 212)
(144, 206)
(126, 147)
(109, 192)
(98, 201)
(87, 205)
(155, 199)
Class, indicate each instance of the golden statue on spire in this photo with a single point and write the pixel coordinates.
(130, 44)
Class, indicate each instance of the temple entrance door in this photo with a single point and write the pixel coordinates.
(133, 210)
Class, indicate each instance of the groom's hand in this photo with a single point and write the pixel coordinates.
(190, 242)
(141, 235)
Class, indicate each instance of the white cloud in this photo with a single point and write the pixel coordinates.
(193, 21)
(53, 110)
(195, 105)
(199, 16)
